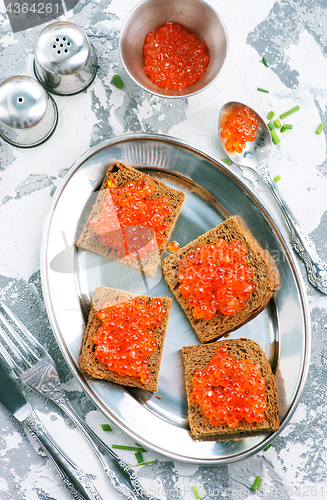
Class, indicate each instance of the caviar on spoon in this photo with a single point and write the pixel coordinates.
(254, 155)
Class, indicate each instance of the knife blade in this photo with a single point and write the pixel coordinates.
(72, 476)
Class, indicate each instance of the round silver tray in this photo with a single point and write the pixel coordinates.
(70, 275)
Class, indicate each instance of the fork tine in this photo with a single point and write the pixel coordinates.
(26, 349)
(22, 327)
(19, 355)
(11, 362)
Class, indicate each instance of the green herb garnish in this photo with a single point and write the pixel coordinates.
(270, 115)
(287, 113)
(227, 161)
(264, 60)
(274, 137)
(269, 445)
(144, 463)
(196, 492)
(276, 179)
(257, 482)
(138, 456)
(106, 427)
(117, 81)
(277, 123)
(270, 125)
(288, 126)
(320, 128)
(132, 448)
(263, 90)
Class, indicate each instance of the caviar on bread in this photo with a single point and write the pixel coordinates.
(132, 218)
(222, 279)
(124, 338)
(231, 390)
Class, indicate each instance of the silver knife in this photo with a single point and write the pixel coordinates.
(72, 476)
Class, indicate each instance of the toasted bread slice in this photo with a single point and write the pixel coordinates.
(197, 358)
(90, 366)
(265, 276)
(91, 241)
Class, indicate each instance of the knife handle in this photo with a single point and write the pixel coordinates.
(78, 484)
(121, 475)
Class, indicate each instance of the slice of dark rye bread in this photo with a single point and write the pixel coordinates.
(91, 241)
(197, 358)
(265, 276)
(90, 366)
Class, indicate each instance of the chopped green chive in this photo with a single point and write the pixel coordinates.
(257, 482)
(276, 179)
(264, 60)
(122, 447)
(269, 445)
(270, 125)
(138, 456)
(227, 160)
(263, 90)
(144, 463)
(196, 492)
(287, 113)
(320, 128)
(270, 115)
(274, 137)
(106, 427)
(277, 123)
(288, 126)
(117, 81)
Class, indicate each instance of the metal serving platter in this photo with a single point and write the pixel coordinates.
(70, 275)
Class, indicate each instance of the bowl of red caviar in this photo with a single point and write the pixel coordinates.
(173, 48)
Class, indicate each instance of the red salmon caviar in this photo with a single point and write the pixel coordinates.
(239, 125)
(174, 58)
(215, 278)
(130, 221)
(230, 390)
(173, 246)
(126, 338)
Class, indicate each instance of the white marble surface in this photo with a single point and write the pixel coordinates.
(292, 35)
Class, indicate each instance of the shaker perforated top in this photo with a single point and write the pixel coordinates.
(65, 62)
(28, 115)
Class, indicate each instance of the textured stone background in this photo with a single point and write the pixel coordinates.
(291, 34)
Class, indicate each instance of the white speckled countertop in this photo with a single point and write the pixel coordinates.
(292, 34)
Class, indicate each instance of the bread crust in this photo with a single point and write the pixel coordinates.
(91, 241)
(265, 276)
(197, 358)
(91, 367)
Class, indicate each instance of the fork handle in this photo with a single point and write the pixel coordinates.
(78, 484)
(302, 243)
(121, 475)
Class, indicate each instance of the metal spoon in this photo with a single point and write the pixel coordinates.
(254, 156)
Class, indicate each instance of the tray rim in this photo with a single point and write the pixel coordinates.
(279, 234)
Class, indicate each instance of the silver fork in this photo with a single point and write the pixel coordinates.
(34, 366)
